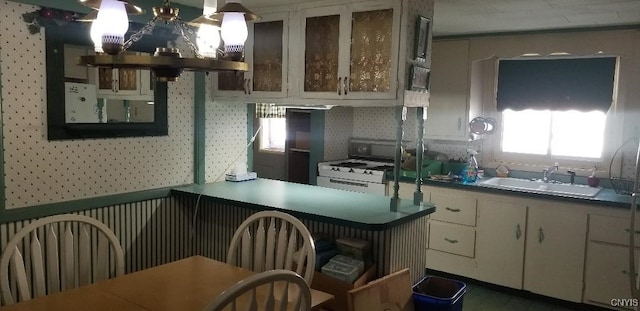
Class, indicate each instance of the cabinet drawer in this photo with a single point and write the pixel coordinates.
(611, 229)
(453, 207)
(607, 273)
(450, 238)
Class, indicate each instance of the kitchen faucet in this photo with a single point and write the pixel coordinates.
(547, 172)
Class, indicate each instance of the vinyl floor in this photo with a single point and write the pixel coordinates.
(481, 298)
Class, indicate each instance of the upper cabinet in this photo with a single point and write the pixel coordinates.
(266, 52)
(349, 51)
(339, 53)
(449, 100)
(131, 84)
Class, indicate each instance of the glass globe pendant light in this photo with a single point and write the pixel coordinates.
(110, 26)
(234, 33)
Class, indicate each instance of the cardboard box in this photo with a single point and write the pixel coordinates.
(339, 289)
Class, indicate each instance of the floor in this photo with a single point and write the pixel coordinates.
(481, 298)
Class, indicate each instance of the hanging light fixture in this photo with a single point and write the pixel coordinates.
(208, 36)
(234, 17)
(111, 23)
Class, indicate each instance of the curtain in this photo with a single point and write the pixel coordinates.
(270, 111)
(583, 84)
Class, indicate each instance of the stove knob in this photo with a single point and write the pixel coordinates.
(335, 169)
(351, 170)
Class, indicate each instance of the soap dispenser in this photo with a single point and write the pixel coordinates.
(470, 172)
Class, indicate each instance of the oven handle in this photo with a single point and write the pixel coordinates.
(352, 183)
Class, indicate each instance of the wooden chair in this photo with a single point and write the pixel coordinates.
(82, 255)
(268, 240)
(389, 293)
(277, 294)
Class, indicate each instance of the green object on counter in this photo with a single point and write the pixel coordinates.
(454, 168)
(429, 167)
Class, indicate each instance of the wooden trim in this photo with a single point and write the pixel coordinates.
(316, 153)
(200, 126)
(187, 13)
(43, 210)
(536, 32)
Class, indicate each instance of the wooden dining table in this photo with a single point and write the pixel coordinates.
(187, 284)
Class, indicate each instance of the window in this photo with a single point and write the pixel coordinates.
(273, 134)
(564, 134)
(552, 109)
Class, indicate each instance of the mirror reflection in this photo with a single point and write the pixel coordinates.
(105, 95)
(86, 102)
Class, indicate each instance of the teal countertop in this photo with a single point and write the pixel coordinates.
(606, 197)
(358, 210)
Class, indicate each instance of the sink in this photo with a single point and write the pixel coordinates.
(540, 187)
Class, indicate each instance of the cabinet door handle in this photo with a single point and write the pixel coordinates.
(455, 210)
(540, 235)
(346, 85)
(459, 123)
(627, 272)
(340, 86)
(628, 230)
(114, 85)
(451, 241)
(249, 86)
(518, 232)
(244, 86)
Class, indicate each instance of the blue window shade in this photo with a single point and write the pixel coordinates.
(583, 84)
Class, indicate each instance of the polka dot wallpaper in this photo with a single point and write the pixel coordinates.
(38, 171)
(225, 138)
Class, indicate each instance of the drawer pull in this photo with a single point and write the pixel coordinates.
(627, 272)
(518, 232)
(451, 241)
(540, 235)
(455, 210)
(628, 230)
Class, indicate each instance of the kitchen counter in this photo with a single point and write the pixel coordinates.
(217, 209)
(606, 197)
(353, 209)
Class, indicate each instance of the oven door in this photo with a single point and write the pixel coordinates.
(352, 185)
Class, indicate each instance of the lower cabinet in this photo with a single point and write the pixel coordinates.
(607, 266)
(534, 245)
(555, 248)
(500, 241)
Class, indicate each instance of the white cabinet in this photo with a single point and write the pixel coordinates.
(130, 84)
(555, 248)
(534, 245)
(607, 265)
(348, 51)
(452, 232)
(267, 53)
(500, 241)
(448, 116)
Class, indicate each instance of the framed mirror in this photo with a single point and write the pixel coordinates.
(84, 102)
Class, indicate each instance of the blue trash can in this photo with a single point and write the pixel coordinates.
(435, 293)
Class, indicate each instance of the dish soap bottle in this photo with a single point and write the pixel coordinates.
(592, 180)
(470, 172)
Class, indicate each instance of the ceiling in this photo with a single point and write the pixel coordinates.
(457, 17)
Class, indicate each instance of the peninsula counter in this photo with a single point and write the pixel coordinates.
(398, 239)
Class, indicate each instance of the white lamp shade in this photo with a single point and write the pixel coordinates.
(96, 35)
(234, 29)
(112, 18)
(208, 40)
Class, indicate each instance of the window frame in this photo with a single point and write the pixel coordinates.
(260, 139)
(493, 156)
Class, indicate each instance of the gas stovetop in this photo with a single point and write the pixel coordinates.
(355, 169)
